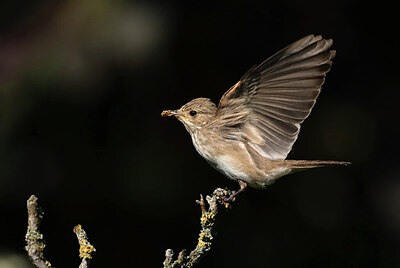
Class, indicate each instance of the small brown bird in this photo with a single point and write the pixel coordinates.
(249, 134)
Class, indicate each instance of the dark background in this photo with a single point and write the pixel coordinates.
(82, 85)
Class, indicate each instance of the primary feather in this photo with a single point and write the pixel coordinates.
(276, 96)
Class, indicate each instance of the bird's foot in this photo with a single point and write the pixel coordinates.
(227, 197)
(223, 195)
(231, 198)
(233, 194)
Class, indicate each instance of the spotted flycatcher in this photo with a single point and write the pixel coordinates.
(249, 134)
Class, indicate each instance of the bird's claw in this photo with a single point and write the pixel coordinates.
(225, 197)
(231, 198)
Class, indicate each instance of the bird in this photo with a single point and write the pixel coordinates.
(248, 136)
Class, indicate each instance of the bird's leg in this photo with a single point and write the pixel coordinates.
(243, 186)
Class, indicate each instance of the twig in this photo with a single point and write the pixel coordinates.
(33, 237)
(207, 222)
(36, 243)
(86, 249)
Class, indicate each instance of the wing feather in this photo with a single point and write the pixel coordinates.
(277, 95)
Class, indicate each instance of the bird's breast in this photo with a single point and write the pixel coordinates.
(204, 146)
(229, 157)
(232, 158)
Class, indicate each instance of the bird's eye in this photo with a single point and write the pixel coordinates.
(192, 113)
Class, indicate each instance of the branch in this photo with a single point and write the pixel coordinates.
(207, 222)
(36, 243)
(85, 249)
(33, 237)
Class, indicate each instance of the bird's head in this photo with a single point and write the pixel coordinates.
(194, 114)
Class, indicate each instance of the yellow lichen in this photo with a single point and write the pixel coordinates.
(207, 217)
(86, 250)
(201, 242)
(222, 202)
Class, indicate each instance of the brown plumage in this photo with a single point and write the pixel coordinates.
(248, 136)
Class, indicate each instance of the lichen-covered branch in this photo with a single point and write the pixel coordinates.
(36, 243)
(86, 249)
(34, 239)
(207, 222)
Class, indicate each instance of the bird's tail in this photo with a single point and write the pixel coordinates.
(306, 164)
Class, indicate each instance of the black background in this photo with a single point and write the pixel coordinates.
(82, 85)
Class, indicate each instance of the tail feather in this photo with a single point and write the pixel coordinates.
(305, 164)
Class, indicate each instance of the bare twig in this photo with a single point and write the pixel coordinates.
(33, 237)
(86, 249)
(207, 222)
(36, 243)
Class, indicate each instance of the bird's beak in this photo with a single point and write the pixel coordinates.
(170, 113)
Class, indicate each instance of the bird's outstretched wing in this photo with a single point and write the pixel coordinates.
(272, 99)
